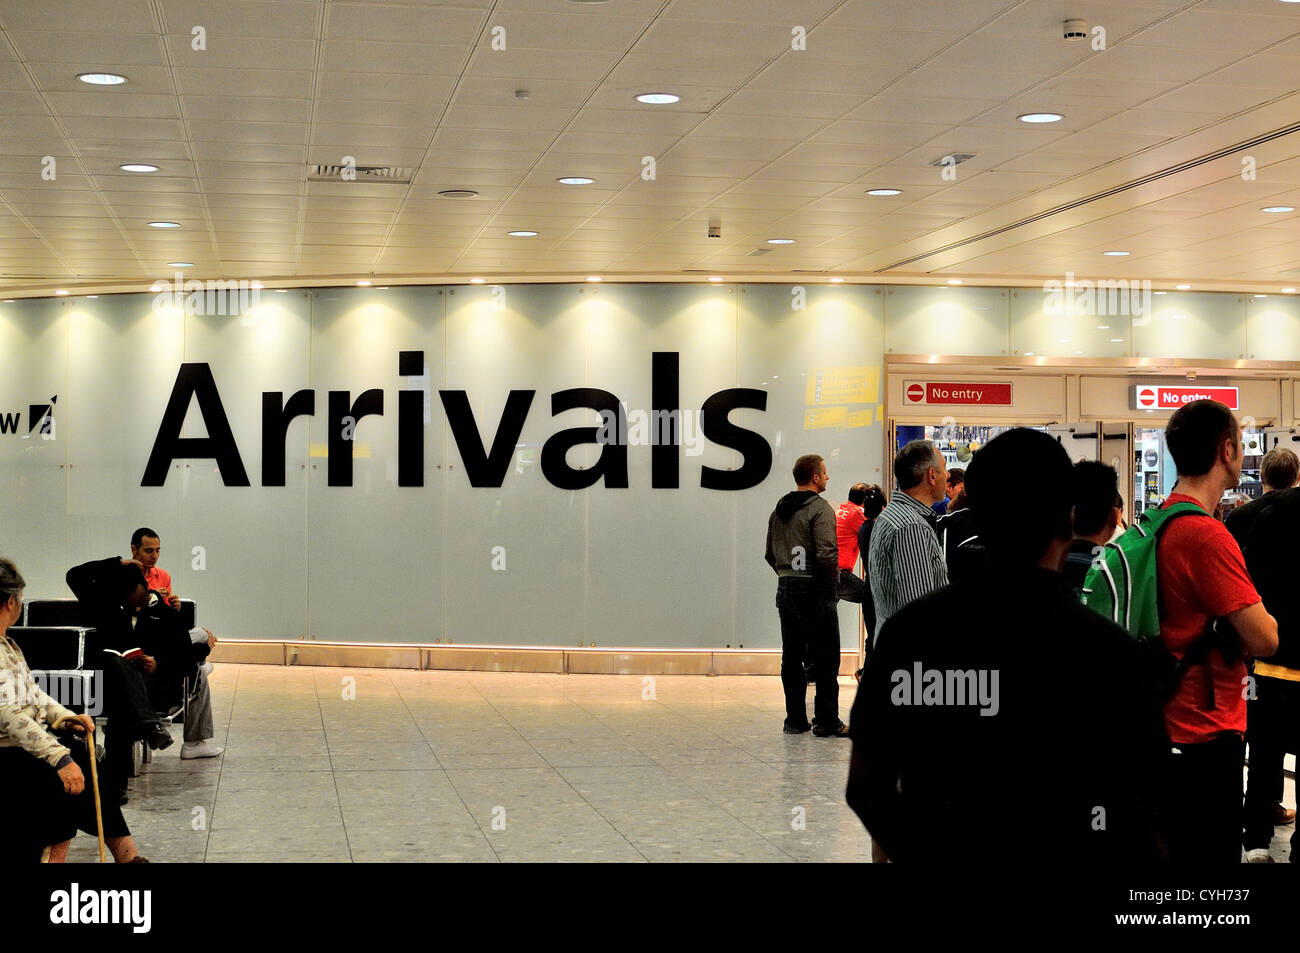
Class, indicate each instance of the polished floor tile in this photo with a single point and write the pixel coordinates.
(376, 766)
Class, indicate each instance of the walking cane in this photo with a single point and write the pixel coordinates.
(94, 783)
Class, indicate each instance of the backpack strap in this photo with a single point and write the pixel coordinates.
(1198, 652)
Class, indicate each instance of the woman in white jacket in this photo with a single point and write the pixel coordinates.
(44, 794)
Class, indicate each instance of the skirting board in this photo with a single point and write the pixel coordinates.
(502, 658)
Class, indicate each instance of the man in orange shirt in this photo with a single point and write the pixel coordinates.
(146, 547)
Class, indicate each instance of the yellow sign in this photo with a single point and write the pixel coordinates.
(843, 385)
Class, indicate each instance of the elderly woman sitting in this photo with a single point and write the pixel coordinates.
(44, 794)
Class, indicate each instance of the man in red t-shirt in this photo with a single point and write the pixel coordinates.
(146, 547)
(1203, 577)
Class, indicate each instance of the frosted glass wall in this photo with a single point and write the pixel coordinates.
(422, 465)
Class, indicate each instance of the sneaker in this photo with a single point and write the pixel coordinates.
(841, 730)
(790, 729)
(1259, 855)
(200, 749)
(1283, 815)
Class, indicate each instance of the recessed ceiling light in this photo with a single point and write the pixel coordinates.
(1288, 291)
(282, 291)
(164, 224)
(180, 264)
(155, 288)
(458, 193)
(575, 180)
(593, 277)
(1041, 117)
(1029, 354)
(522, 233)
(363, 284)
(1261, 296)
(61, 291)
(715, 278)
(476, 281)
(954, 281)
(1116, 254)
(1182, 287)
(1279, 208)
(9, 301)
(1116, 340)
(780, 241)
(1103, 327)
(91, 296)
(138, 167)
(837, 281)
(884, 191)
(658, 99)
(1162, 292)
(102, 79)
(256, 286)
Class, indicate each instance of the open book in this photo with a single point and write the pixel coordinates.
(128, 654)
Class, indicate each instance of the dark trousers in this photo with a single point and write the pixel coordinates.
(810, 632)
(41, 812)
(1273, 716)
(129, 709)
(1202, 823)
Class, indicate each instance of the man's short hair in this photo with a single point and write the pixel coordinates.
(913, 462)
(957, 476)
(138, 536)
(1196, 432)
(1279, 469)
(857, 493)
(805, 468)
(1095, 490)
(1016, 518)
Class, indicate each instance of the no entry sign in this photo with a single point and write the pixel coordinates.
(1161, 397)
(957, 392)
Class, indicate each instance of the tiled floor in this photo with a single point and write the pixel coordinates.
(453, 766)
(459, 766)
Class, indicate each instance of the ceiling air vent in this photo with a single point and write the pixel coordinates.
(386, 174)
(953, 158)
(756, 252)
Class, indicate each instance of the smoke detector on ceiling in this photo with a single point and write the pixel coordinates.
(1075, 29)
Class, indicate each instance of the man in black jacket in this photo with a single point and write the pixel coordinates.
(1001, 700)
(1267, 530)
(118, 600)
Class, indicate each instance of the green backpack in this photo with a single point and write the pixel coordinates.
(1124, 586)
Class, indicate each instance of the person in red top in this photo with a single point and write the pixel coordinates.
(1203, 577)
(146, 547)
(848, 520)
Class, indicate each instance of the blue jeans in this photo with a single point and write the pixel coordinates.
(810, 632)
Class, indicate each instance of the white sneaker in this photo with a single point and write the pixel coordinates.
(199, 749)
(1259, 855)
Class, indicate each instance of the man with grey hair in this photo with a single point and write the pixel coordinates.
(905, 562)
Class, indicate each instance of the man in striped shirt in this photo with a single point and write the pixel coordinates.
(905, 561)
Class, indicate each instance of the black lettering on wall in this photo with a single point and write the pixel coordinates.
(342, 434)
(195, 380)
(276, 417)
(612, 465)
(665, 401)
(754, 447)
(410, 422)
(486, 468)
